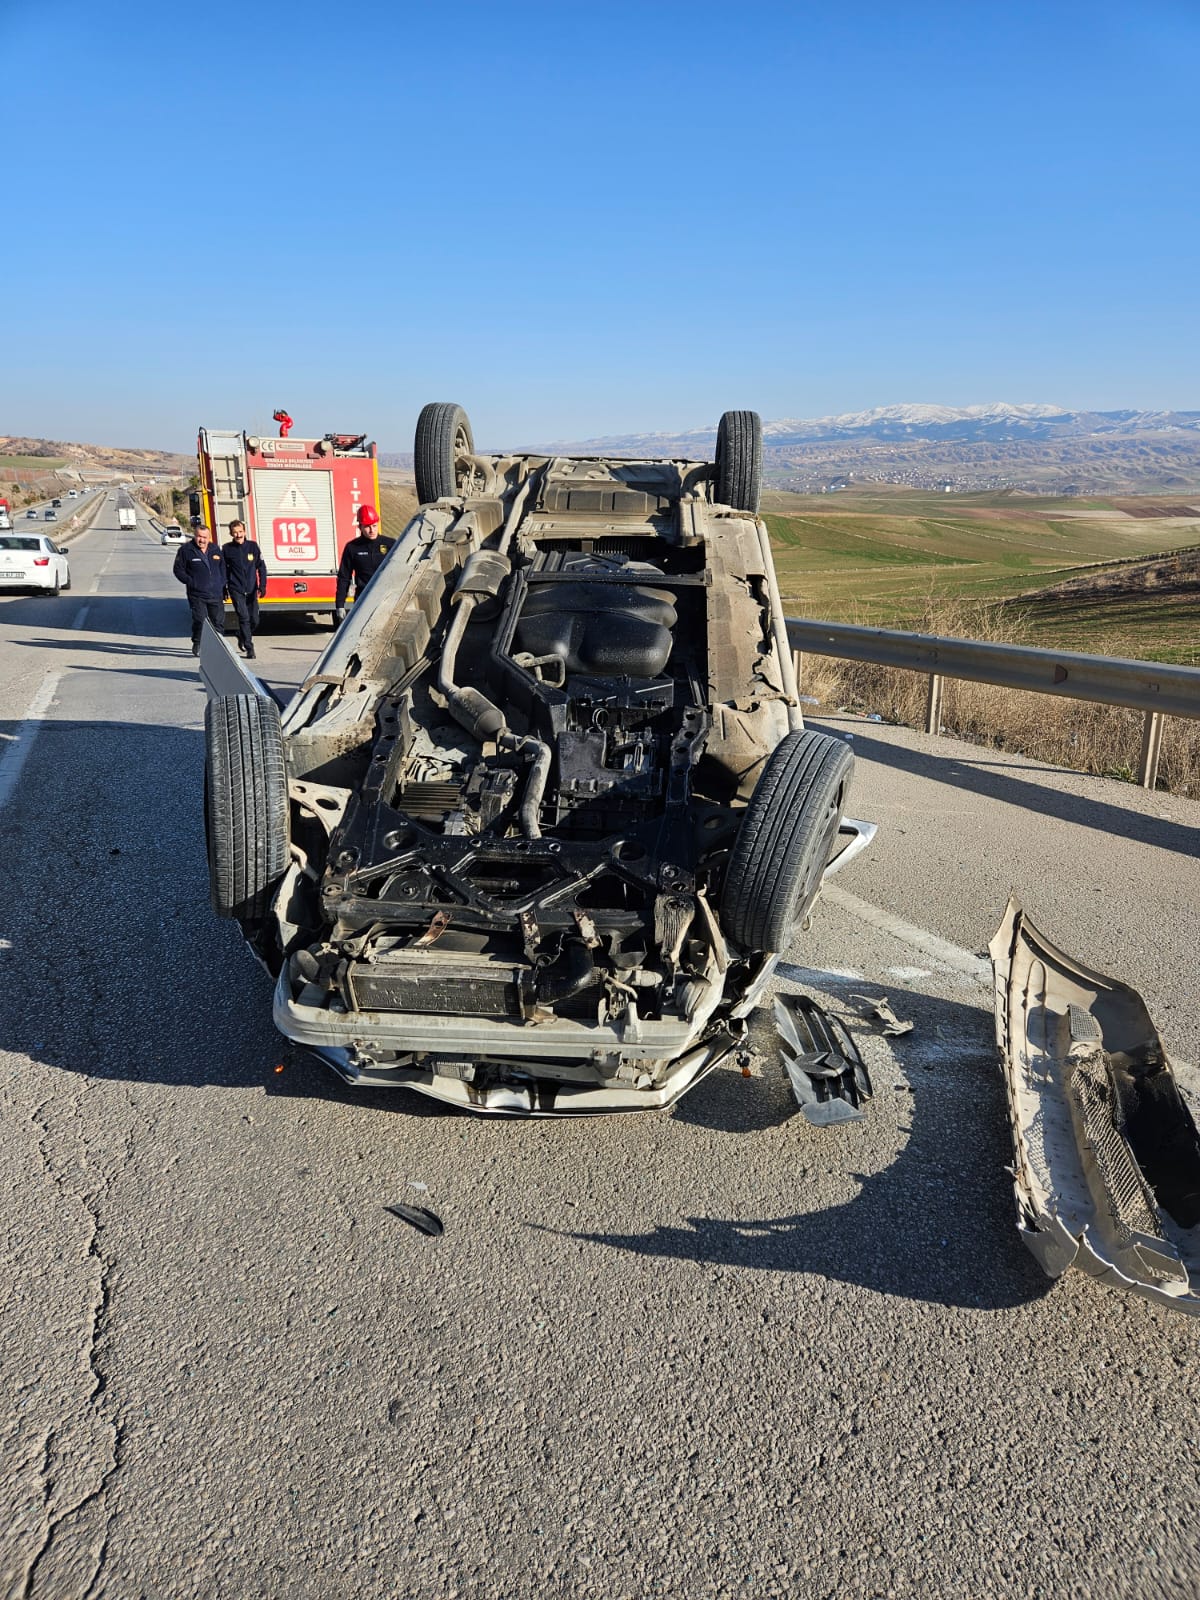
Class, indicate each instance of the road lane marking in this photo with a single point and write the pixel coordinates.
(811, 975)
(14, 756)
(95, 589)
(938, 950)
(80, 617)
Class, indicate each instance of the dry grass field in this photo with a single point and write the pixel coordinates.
(882, 557)
(978, 566)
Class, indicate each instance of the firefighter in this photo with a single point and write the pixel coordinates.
(202, 570)
(361, 560)
(246, 582)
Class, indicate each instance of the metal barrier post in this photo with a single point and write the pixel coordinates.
(933, 706)
(1152, 726)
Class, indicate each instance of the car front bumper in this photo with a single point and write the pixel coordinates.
(559, 1067)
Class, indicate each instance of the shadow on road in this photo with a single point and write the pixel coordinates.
(936, 1225)
(112, 964)
(118, 647)
(983, 778)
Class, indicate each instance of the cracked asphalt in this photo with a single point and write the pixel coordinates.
(708, 1353)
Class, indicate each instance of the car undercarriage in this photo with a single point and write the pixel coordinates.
(536, 826)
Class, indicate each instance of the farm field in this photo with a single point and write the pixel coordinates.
(31, 463)
(897, 558)
(1151, 627)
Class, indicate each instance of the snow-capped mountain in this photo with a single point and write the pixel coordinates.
(945, 424)
(911, 416)
(1030, 446)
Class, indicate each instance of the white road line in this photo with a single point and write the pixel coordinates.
(817, 975)
(14, 756)
(96, 580)
(95, 589)
(940, 951)
(80, 617)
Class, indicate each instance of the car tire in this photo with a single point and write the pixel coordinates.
(784, 841)
(739, 461)
(245, 804)
(443, 434)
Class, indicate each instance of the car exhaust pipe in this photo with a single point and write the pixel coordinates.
(470, 708)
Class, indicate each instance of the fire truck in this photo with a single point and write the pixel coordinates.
(298, 498)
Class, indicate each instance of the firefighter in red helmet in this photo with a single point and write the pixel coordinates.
(361, 560)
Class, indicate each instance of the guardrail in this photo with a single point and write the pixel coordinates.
(1151, 687)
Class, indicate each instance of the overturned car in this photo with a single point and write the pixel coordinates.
(532, 832)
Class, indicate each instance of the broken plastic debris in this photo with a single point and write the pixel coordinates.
(829, 1078)
(1107, 1157)
(892, 1026)
(417, 1217)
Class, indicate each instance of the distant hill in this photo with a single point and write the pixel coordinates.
(97, 457)
(940, 424)
(1040, 448)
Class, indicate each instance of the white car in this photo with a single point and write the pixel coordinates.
(33, 561)
(172, 533)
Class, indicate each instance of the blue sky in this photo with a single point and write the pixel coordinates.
(592, 218)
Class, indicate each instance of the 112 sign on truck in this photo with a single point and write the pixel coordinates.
(298, 499)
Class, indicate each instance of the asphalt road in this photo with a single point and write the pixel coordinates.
(59, 525)
(707, 1353)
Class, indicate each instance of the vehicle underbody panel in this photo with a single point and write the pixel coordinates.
(1107, 1169)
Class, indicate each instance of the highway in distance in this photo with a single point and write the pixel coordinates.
(710, 1352)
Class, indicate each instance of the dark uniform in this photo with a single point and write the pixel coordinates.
(246, 580)
(204, 574)
(361, 560)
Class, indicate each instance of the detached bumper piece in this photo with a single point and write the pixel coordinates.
(821, 1061)
(1107, 1169)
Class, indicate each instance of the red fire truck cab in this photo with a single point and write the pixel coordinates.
(298, 499)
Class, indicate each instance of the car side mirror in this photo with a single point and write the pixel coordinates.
(194, 508)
